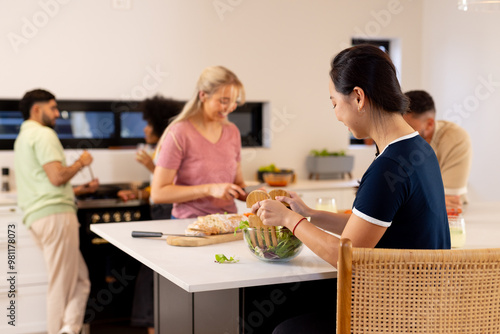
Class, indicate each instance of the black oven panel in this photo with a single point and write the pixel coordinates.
(107, 264)
(112, 215)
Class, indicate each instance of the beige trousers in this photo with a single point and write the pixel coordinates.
(69, 284)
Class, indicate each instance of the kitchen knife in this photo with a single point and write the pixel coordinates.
(144, 234)
(249, 189)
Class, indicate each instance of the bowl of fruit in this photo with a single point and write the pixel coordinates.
(274, 176)
(280, 179)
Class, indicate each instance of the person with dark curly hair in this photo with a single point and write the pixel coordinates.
(157, 112)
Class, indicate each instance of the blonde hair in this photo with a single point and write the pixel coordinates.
(211, 79)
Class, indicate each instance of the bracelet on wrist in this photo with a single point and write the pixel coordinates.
(300, 221)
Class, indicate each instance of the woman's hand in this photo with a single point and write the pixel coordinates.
(144, 158)
(127, 194)
(273, 212)
(296, 204)
(225, 190)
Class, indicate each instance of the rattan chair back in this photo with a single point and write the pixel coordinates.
(418, 291)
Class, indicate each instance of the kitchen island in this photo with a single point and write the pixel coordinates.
(196, 295)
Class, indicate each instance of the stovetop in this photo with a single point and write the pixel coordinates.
(106, 196)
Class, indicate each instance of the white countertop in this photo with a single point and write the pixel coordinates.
(10, 198)
(482, 225)
(194, 269)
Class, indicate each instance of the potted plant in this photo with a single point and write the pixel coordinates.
(329, 164)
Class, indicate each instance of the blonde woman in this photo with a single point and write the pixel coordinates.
(198, 167)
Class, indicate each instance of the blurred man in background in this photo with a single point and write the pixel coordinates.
(450, 142)
(49, 211)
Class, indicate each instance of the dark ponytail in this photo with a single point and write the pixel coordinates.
(371, 69)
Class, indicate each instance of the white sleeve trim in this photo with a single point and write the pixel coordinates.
(455, 191)
(371, 219)
(411, 135)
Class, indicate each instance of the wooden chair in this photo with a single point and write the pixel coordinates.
(418, 291)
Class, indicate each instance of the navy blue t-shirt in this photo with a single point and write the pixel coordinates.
(403, 191)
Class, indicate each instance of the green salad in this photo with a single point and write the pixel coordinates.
(287, 247)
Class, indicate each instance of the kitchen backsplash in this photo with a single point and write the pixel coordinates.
(109, 166)
(120, 166)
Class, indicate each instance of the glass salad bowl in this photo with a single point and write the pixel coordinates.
(270, 245)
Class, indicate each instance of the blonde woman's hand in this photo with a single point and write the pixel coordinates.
(225, 190)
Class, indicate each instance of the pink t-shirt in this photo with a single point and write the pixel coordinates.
(198, 161)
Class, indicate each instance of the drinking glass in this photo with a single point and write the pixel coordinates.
(146, 148)
(141, 146)
(326, 204)
(457, 229)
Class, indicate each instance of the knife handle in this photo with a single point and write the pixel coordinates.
(142, 234)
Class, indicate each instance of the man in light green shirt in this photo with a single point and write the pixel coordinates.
(47, 200)
(36, 146)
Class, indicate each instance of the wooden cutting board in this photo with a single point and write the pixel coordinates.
(209, 240)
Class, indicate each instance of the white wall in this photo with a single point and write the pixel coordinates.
(280, 49)
(460, 53)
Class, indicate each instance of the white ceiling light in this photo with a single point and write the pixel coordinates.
(479, 5)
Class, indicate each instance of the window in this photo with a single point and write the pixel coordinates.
(85, 124)
(132, 124)
(10, 123)
(101, 124)
(248, 119)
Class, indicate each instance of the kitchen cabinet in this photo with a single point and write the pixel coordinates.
(28, 275)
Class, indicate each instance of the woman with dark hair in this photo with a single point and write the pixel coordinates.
(400, 201)
(157, 112)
